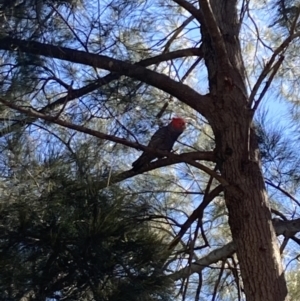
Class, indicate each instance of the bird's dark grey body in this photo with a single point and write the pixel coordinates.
(163, 139)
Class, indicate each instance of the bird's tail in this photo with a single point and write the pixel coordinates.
(140, 162)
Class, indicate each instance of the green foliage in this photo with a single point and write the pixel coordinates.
(80, 244)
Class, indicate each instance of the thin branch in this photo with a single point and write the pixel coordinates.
(191, 69)
(296, 240)
(268, 83)
(173, 158)
(218, 281)
(177, 32)
(191, 9)
(268, 182)
(199, 286)
(197, 213)
(284, 244)
(171, 55)
(269, 65)
(69, 26)
(33, 113)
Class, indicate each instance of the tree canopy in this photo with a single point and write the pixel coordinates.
(85, 84)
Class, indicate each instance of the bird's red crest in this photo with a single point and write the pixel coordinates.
(178, 123)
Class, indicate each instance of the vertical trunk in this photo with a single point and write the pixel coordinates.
(236, 146)
(250, 217)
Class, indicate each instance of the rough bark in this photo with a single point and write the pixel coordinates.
(238, 157)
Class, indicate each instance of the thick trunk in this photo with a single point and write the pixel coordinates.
(239, 163)
(250, 218)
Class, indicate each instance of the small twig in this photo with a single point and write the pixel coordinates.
(283, 191)
(218, 280)
(66, 101)
(70, 28)
(191, 9)
(177, 32)
(269, 65)
(197, 213)
(268, 83)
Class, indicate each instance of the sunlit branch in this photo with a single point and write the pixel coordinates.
(198, 265)
(281, 227)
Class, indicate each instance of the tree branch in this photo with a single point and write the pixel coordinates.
(191, 9)
(76, 93)
(54, 119)
(198, 265)
(172, 158)
(268, 83)
(269, 66)
(281, 228)
(169, 160)
(268, 182)
(197, 214)
(201, 103)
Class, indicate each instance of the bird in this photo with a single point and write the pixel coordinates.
(163, 139)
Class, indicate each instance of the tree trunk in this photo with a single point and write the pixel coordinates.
(239, 162)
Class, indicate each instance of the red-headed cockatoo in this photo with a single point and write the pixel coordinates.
(163, 139)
